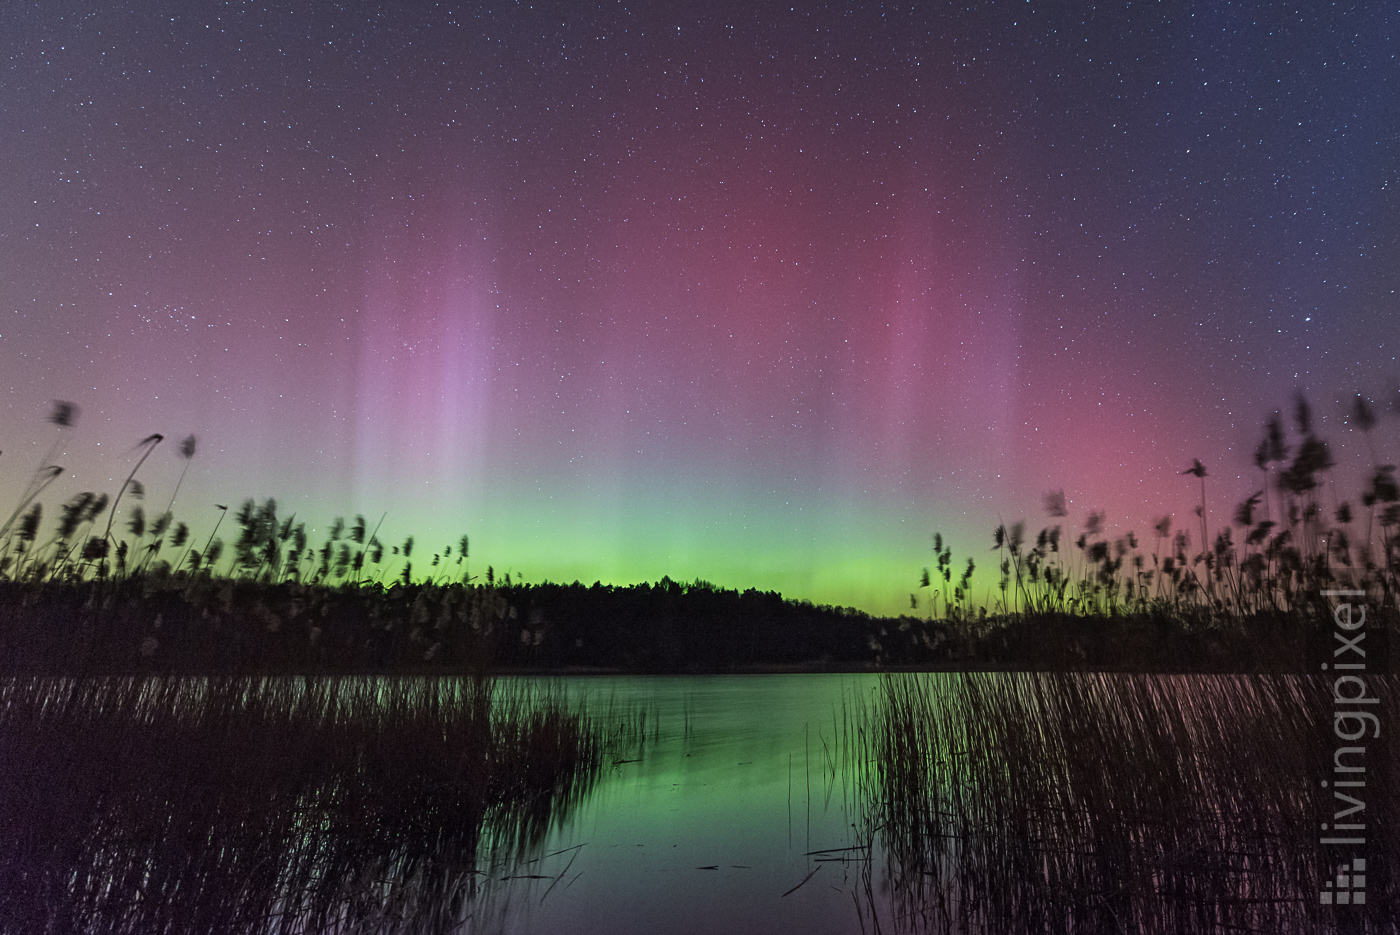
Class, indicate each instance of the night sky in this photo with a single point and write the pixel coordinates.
(761, 295)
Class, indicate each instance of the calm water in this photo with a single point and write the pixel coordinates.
(722, 815)
(1004, 803)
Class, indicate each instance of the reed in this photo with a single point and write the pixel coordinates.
(280, 805)
(1098, 803)
(1263, 572)
(1062, 600)
(63, 416)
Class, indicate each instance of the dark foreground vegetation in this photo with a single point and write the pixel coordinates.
(177, 624)
(189, 744)
(1108, 803)
(280, 805)
(90, 595)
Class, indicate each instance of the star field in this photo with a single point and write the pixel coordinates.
(759, 295)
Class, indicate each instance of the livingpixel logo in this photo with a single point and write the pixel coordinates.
(1350, 888)
(1354, 721)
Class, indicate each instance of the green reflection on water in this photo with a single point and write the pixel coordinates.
(814, 803)
(732, 795)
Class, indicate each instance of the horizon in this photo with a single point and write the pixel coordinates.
(764, 298)
(153, 502)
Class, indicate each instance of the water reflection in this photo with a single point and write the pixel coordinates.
(278, 805)
(777, 803)
(717, 823)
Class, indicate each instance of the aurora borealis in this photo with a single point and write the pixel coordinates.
(760, 295)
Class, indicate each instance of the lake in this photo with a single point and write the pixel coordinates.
(814, 803)
(726, 811)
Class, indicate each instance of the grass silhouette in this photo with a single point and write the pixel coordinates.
(1244, 599)
(1280, 566)
(1059, 802)
(279, 805)
(159, 801)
